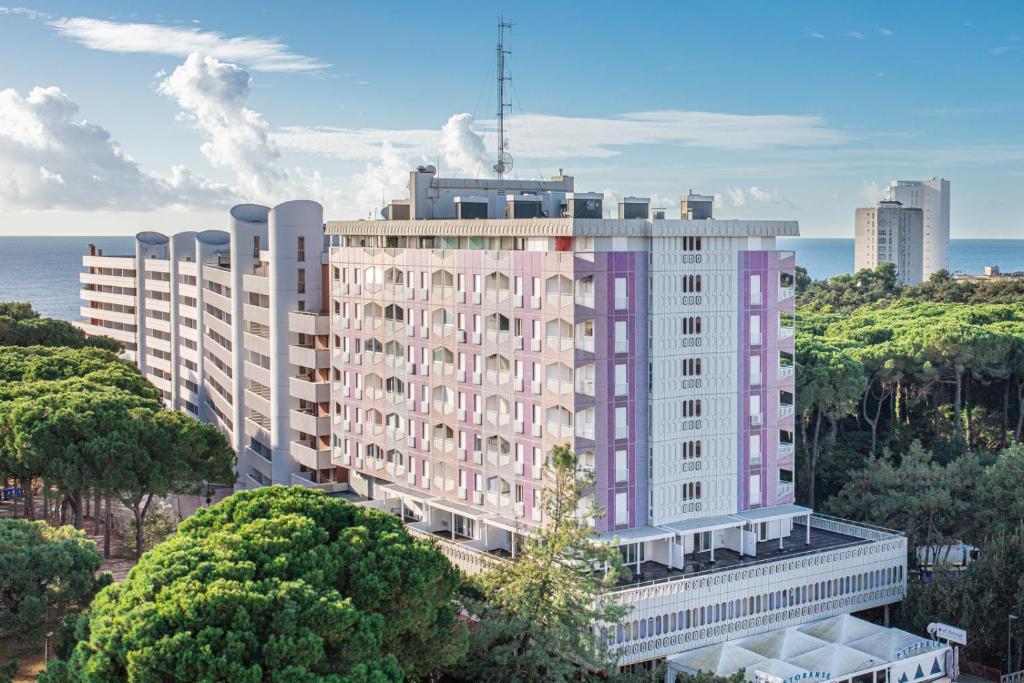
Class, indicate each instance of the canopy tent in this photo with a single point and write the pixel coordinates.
(834, 649)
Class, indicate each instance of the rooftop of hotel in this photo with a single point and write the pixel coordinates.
(491, 207)
(567, 227)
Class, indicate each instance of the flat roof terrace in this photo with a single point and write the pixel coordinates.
(795, 545)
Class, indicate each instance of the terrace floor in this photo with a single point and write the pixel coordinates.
(792, 546)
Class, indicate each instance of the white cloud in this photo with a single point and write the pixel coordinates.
(23, 11)
(213, 95)
(259, 54)
(384, 179)
(52, 158)
(568, 137)
(871, 192)
(736, 196)
(462, 148)
(856, 35)
(816, 35)
(885, 31)
(759, 194)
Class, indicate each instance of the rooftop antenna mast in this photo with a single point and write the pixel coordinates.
(504, 164)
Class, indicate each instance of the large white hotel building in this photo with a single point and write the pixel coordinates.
(427, 363)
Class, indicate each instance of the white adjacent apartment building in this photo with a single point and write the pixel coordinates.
(932, 197)
(427, 364)
(890, 233)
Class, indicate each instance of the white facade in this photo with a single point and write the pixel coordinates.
(932, 197)
(890, 233)
(228, 326)
(430, 362)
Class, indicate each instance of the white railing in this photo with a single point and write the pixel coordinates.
(1012, 677)
(469, 560)
(847, 527)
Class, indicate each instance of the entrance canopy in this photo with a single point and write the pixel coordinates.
(835, 649)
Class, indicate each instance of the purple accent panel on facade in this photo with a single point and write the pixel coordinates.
(750, 305)
(767, 304)
(633, 267)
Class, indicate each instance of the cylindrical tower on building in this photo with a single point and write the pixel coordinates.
(248, 238)
(296, 242)
(208, 244)
(148, 245)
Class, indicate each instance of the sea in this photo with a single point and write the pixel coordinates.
(44, 270)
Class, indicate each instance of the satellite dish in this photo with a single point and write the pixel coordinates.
(505, 164)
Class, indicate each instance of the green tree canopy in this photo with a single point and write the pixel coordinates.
(42, 569)
(275, 584)
(20, 325)
(537, 615)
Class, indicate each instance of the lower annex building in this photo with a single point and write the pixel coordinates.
(427, 363)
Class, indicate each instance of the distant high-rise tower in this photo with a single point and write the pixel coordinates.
(890, 233)
(932, 197)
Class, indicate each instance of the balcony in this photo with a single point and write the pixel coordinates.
(307, 453)
(559, 343)
(306, 387)
(255, 314)
(103, 314)
(310, 422)
(585, 430)
(304, 322)
(786, 293)
(127, 336)
(560, 430)
(786, 371)
(255, 283)
(585, 386)
(305, 479)
(309, 357)
(108, 297)
(107, 280)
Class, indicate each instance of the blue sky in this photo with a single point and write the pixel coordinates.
(116, 117)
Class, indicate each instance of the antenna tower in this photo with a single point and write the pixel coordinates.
(504, 164)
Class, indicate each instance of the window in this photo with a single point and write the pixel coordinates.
(301, 249)
(755, 290)
(621, 337)
(621, 509)
(621, 297)
(755, 489)
(755, 330)
(621, 422)
(302, 280)
(755, 370)
(255, 246)
(621, 467)
(755, 449)
(621, 382)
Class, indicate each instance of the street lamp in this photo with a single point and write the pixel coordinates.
(1010, 618)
